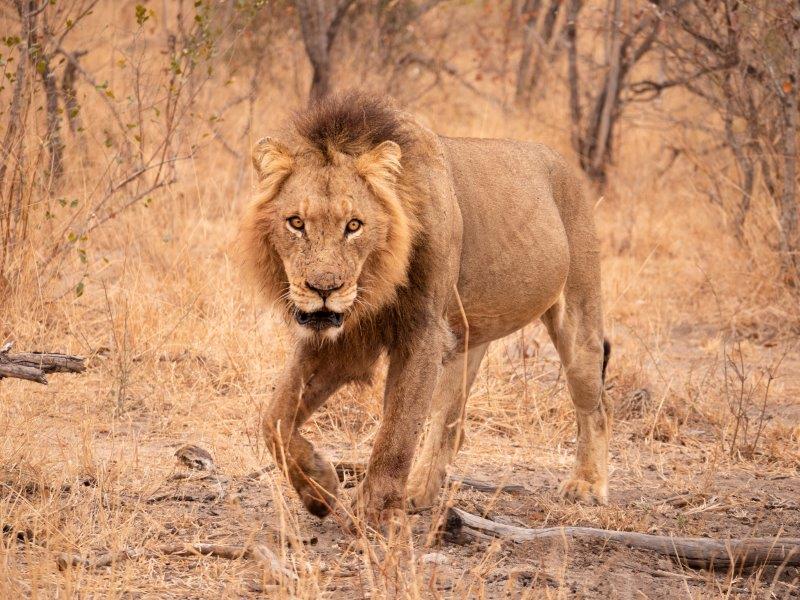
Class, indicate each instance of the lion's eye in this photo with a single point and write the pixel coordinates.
(296, 223)
(353, 225)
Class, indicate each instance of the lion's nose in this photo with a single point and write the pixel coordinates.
(323, 290)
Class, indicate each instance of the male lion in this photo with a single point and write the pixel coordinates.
(368, 230)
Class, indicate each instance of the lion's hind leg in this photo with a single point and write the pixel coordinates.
(445, 428)
(575, 326)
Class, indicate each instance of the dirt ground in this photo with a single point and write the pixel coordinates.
(100, 483)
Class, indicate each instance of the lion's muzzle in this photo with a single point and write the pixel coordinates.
(319, 320)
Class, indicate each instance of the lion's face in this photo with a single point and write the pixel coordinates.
(336, 229)
(326, 225)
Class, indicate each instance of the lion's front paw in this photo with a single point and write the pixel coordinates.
(319, 494)
(376, 504)
(580, 490)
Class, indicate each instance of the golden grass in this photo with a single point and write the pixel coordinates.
(179, 350)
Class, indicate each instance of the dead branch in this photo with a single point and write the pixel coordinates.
(33, 366)
(256, 552)
(704, 553)
(485, 486)
(356, 471)
(65, 560)
(183, 497)
(72, 60)
(438, 67)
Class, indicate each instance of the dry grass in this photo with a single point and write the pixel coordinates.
(180, 351)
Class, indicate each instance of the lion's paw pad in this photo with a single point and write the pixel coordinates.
(580, 490)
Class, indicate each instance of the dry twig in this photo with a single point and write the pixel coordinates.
(256, 552)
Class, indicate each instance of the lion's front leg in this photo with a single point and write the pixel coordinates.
(410, 382)
(302, 389)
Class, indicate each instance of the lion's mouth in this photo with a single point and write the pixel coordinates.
(320, 319)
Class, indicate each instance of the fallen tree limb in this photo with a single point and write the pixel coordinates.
(183, 497)
(702, 553)
(65, 560)
(256, 552)
(485, 486)
(354, 470)
(33, 366)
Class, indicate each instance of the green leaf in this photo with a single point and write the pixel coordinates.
(141, 14)
(79, 289)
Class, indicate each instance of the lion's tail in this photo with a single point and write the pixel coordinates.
(606, 356)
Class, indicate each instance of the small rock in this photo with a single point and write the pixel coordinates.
(434, 558)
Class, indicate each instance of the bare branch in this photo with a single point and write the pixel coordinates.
(696, 552)
(34, 366)
(436, 67)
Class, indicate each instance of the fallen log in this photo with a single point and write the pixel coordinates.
(65, 560)
(353, 472)
(705, 553)
(485, 486)
(256, 552)
(33, 366)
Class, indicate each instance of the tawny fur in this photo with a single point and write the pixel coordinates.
(504, 223)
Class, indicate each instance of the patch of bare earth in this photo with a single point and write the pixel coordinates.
(80, 481)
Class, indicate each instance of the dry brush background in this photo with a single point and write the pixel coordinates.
(125, 163)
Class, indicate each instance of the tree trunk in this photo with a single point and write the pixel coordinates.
(530, 62)
(573, 76)
(548, 39)
(20, 79)
(320, 21)
(789, 242)
(320, 80)
(612, 90)
(55, 144)
(41, 62)
(70, 94)
(522, 92)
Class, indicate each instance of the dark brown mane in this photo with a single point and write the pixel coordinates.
(352, 123)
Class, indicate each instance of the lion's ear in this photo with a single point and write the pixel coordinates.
(272, 160)
(381, 165)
